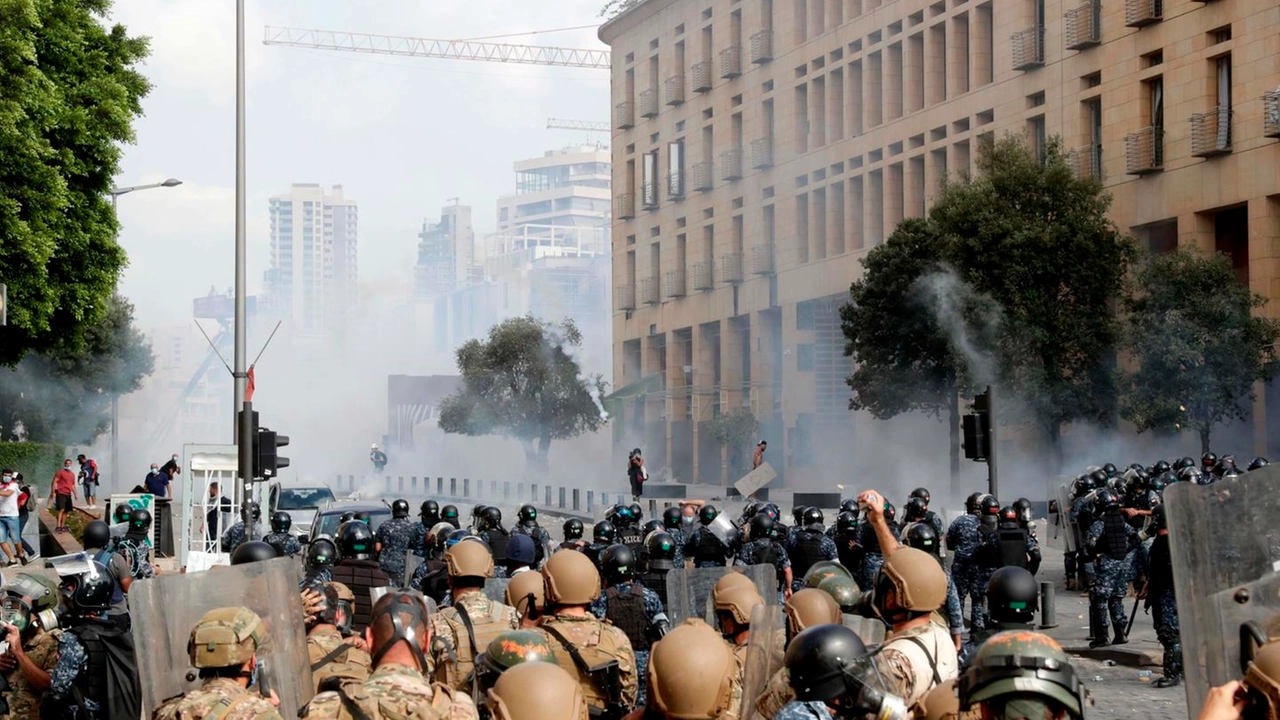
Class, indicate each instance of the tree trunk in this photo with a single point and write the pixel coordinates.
(544, 450)
(1204, 438)
(1054, 431)
(953, 430)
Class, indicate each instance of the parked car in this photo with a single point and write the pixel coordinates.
(325, 521)
(301, 503)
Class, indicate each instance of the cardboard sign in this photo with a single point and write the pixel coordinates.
(756, 479)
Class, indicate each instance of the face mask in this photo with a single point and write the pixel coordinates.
(686, 520)
(15, 614)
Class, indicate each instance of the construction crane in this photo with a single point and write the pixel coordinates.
(430, 48)
(587, 125)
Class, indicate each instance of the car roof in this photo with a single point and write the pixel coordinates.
(338, 507)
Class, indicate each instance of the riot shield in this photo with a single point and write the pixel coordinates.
(73, 564)
(1225, 544)
(1062, 529)
(724, 529)
(496, 589)
(411, 563)
(376, 593)
(173, 604)
(689, 589)
(871, 630)
(764, 659)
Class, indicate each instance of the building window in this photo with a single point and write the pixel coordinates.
(649, 184)
(675, 169)
(804, 357)
(1037, 137)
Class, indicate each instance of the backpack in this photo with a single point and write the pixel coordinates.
(474, 635)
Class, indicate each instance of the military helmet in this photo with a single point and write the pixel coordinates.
(761, 527)
(42, 591)
(1008, 514)
(989, 505)
(730, 579)
(819, 659)
(526, 588)
(1098, 478)
(1023, 508)
(438, 532)
(140, 520)
(737, 600)
(922, 536)
(707, 514)
(225, 637)
(691, 673)
(671, 517)
(940, 703)
(572, 529)
(355, 540)
(253, 551)
(812, 516)
(1013, 595)
(844, 591)
(514, 647)
(849, 505)
(492, 517)
(1189, 474)
(449, 513)
(400, 508)
(810, 607)
(397, 617)
(822, 570)
(97, 534)
(1261, 673)
(1258, 462)
(281, 522)
(797, 512)
(89, 591)
(617, 564)
(922, 493)
(527, 515)
(1107, 500)
(322, 553)
(772, 510)
(661, 548)
(1029, 665)
(604, 533)
(469, 559)
(916, 579)
(1110, 469)
(1160, 466)
(1183, 462)
(536, 691)
(571, 579)
(619, 514)
(1208, 460)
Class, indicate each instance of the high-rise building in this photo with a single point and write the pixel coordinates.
(446, 253)
(562, 188)
(762, 147)
(314, 274)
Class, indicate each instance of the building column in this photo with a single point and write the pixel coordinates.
(958, 55)
(892, 198)
(913, 188)
(980, 45)
(1196, 232)
(1264, 279)
(913, 75)
(702, 395)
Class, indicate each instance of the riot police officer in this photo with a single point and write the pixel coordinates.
(964, 542)
(809, 545)
(704, 546)
(1017, 547)
(1111, 540)
(631, 607)
(872, 557)
(495, 535)
(929, 516)
(527, 524)
(661, 549)
(1013, 597)
(602, 536)
(1159, 596)
(764, 549)
(572, 531)
(357, 568)
(844, 532)
(671, 522)
(136, 548)
(449, 514)
(394, 538)
(322, 555)
(224, 647)
(237, 533)
(280, 538)
(829, 670)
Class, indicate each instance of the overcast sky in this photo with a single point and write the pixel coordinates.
(400, 134)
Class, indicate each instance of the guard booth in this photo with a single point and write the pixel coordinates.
(205, 518)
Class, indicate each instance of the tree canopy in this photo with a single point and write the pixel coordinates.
(523, 382)
(1196, 344)
(69, 93)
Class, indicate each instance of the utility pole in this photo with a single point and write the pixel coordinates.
(243, 432)
(993, 484)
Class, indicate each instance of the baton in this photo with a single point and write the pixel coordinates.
(1133, 614)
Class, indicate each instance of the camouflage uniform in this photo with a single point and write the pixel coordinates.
(1111, 579)
(222, 698)
(24, 701)
(445, 636)
(236, 536)
(796, 710)
(901, 676)
(394, 692)
(72, 660)
(963, 541)
(652, 609)
(353, 665)
(136, 553)
(777, 694)
(418, 539)
(394, 537)
(754, 552)
(286, 542)
(588, 632)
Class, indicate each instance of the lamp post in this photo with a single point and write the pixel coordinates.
(115, 399)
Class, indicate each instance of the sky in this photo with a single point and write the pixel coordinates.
(401, 135)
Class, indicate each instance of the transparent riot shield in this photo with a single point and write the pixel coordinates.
(496, 589)
(172, 604)
(1225, 546)
(724, 529)
(871, 630)
(689, 589)
(1063, 532)
(763, 661)
(376, 593)
(411, 563)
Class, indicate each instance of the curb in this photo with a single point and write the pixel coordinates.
(1122, 655)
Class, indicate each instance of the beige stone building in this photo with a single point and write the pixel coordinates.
(761, 147)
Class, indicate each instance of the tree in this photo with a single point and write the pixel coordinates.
(1036, 239)
(614, 8)
(734, 430)
(1196, 343)
(523, 382)
(69, 92)
(64, 395)
(917, 334)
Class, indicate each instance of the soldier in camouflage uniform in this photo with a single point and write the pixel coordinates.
(808, 608)
(512, 648)
(1027, 667)
(536, 691)
(693, 649)
(459, 641)
(631, 607)
(400, 636)
(224, 646)
(428, 518)
(134, 546)
(572, 584)
(280, 538)
(30, 645)
(764, 548)
(334, 655)
(236, 534)
(394, 539)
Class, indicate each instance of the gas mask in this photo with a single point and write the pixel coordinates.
(16, 612)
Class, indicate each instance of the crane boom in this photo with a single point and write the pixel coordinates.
(588, 125)
(430, 48)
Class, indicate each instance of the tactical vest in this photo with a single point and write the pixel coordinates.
(470, 642)
(498, 539)
(847, 550)
(360, 576)
(807, 552)
(104, 557)
(931, 655)
(93, 679)
(868, 539)
(709, 548)
(989, 555)
(1013, 546)
(1115, 538)
(626, 612)
(342, 663)
(600, 653)
(630, 536)
(657, 582)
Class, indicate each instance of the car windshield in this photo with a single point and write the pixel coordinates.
(304, 498)
(329, 521)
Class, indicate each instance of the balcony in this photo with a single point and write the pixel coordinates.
(731, 268)
(701, 176)
(1086, 162)
(674, 88)
(626, 297)
(624, 206)
(648, 103)
(762, 260)
(702, 276)
(1138, 13)
(761, 153)
(649, 195)
(1144, 151)
(648, 291)
(762, 46)
(1082, 28)
(731, 164)
(1211, 132)
(624, 115)
(1271, 114)
(731, 61)
(702, 77)
(675, 283)
(1028, 48)
(675, 185)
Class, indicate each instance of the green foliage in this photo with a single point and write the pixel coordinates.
(69, 92)
(1196, 343)
(36, 461)
(64, 395)
(734, 429)
(614, 8)
(523, 382)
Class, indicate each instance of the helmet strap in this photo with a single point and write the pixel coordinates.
(402, 633)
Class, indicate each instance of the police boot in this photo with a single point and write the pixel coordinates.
(1167, 681)
(1120, 638)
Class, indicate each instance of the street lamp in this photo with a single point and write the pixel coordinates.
(115, 400)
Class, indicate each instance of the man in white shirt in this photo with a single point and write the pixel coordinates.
(10, 528)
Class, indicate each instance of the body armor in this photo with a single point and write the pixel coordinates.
(1115, 539)
(807, 551)
(360, 576)
(656, 581)
(709, 549)
(498, 539)
(1013, 545)
(626, 611)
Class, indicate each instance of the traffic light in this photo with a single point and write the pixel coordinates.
(267, 460)
(977, 429)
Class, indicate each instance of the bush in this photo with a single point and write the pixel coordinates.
(36, 461)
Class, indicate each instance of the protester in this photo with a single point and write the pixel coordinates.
(62, 493)
(10, 528)
(89, 479)
(636, 474)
